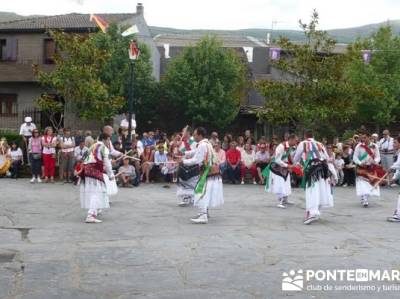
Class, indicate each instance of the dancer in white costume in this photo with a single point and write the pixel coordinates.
(185, 187)
(93, 190)
(209, 190)
(396, 169)
(316, 180)
(366, 157)
(278, 172)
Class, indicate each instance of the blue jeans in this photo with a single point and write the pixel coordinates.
(233, 174)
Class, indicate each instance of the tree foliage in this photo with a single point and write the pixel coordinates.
(312, 89)
(92, 74)
(377, 82)
(206, 83)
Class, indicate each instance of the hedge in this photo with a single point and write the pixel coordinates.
(11, 137)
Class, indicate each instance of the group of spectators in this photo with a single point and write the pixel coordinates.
(153, 155)
(341, 155)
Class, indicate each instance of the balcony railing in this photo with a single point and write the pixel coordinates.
(18, 72)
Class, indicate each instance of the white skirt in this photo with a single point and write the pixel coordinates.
(93, 194)
(186, 188)
(279, 186)
(318, 195)
(363, 187)
(111, 185)
(214, 195)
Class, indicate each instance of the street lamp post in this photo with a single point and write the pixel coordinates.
(133, 55)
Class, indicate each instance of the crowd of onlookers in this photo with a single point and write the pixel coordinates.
(153, 155)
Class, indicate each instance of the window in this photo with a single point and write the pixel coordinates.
(49, 51)
(8, 105)
(8, 49)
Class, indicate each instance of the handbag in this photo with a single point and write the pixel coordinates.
(187, 172)
(36, 156)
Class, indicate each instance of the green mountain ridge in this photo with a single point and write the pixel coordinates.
(346, 35)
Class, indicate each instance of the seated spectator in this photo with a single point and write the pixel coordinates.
(221, 157)
(16, 156)
(118, 147)
(127, 174)
(214, 138)
(233, 158)
(272, 146)
(80, 151)
(240, 143)
(227, 142)
(160, 159)
(135, 157)
(248, 158)
(262, 160)
(262, 140)
(147, 160)
(148, 139)
(170, 169)
(175, 145)
(139, 144)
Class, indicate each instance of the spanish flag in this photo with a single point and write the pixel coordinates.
(103, 25)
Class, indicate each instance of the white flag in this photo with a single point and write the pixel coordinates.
(130, 31)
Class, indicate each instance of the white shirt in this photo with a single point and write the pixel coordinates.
(248, 158)
(15, 155)
(339, 163)
(68, 142)
(316, 148)
(26, 130)
(359, 150)
(160, 158)
(198, 155)
(263, 157)
(386, 145)
(125, 124)
(279, 152)
(79, 152)
(140, 147)
(53, 141)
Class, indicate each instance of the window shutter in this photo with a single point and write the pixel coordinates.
(11, 49)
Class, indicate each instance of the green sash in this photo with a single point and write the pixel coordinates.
(266, 173)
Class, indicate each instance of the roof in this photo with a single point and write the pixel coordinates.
(229, 41)
(67, 22)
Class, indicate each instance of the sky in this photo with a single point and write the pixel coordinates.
(224, 14)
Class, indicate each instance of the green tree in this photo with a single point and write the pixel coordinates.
(91, 75)
(312, 90)
(206, 83)
(377, 82)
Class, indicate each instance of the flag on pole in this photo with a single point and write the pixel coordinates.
(275, 53)
(133, 51)
(366, 55)
(131, 30)
(101, 23)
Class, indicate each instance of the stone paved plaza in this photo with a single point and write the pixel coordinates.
(147, 248)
